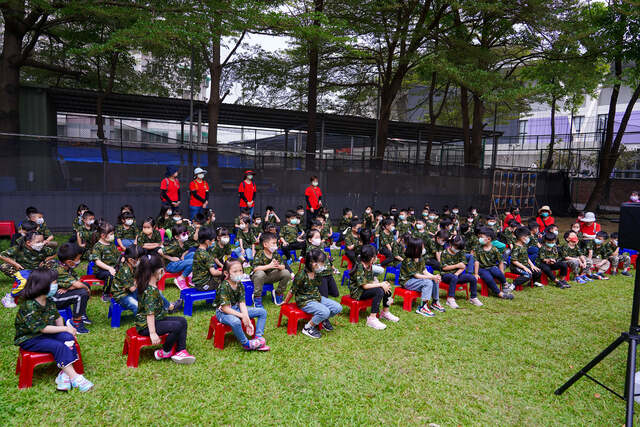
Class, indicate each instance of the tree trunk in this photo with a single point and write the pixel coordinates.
(312, 92)
(99, 118)
(215, 69)
(10, 61)
(475, 150)
(549, 163)
(464, 112)
(427, 154)
(386, 101)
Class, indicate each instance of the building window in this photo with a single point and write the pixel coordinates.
(522, 130)
(602, 122)
(577, 124)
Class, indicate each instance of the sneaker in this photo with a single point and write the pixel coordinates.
(277, 299)
(614, 272)
(624, 273)
(181, 282)
(81, 383)
(603, 276)
(565, 283)
(63, 382)
(580, 280)
(326, 324)
(311, 331)
(509, 286)
(257, 302)
(177, 305)
(424, 311)
(451, 302)
(160, 354)
(435, 306)
(86, 320)
(507, 295)
(538, 284)
(8, 301)
(264, 347)
(106, 298)
(374, 323)
(387, 315)
(478, 303)
(246, 265)
(595, 277)
(183, 357)
(587, 278)
(253, 344)
(81, 329)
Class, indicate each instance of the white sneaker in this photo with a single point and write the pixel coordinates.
(451, 302)
(8, 301)
(538, 284)
(63, 382)
(510, 286)
(389, 316)
(374, 323)
(476, 302)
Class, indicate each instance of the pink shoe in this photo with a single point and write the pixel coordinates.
(183, 357)
(160, 354)
(188, 279)
(264, 348)
(181, 283)
(389, 316)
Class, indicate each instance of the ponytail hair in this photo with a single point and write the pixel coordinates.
(149, 264)
(132, 252)
(227, 267)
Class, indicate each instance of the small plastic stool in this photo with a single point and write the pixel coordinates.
(294, 314)
(28, 360)
(514, 276)
(164, 278)
(349, 263)
(219, 330)
(248, 292)
(7, 228)
(91, 280)
(115, 313)
(267, 287)
(191, 295)
(345, 276)
(396, 274)
(133, 343)
(459, 287)
(355, 306)
(90, 266)
(408, 296)
(66, 314)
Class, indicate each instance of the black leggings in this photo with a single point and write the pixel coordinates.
(106, 277)
(547, 269)
(388, 257)
(76, 298)
(293, 247)
(328, 287)
(176, 327)
(378, 295)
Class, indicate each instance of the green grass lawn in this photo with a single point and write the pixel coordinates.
(494, 365)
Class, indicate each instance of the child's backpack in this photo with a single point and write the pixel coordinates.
(19, 282)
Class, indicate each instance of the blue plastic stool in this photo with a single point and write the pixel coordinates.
(429, 269)
(115, 313)
(328, 250)
(232, 238)
(90, 267)
(191, 295)
(335, 237)
(395, 271)
(267, 287)
(66, 314)
(248, 292)
(345, 276)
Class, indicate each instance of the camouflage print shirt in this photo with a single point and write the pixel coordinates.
(358, 279)
(289, 233)
(403, 228)
(32, 318)
(154, 238)
(520, 254)
(350, 240)
(431, 227)
(76, 224)
(174, 249)
(447, 259)
(165, 223)
(108, 254)
(202, 262)
(305, 289)
(567, 251)
(226, 295)
(122, 232)
(28, 258)
(325, 232)
(44, 230)
(66, 276)
(89, 237)
(509, 237)
(422, 235)
(122, 282)
(410, 267)
(247, 239)
(344, 224)
(149, 303)
(221, 253)
(603, 251)
(261, 258)
(430, 249)
(328, 271)
(488, 259)
(546, 252)
(386, 239)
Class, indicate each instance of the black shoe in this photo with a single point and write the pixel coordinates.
(507, 295)
(106, 298)
(566, 284)
(311, 331)
(86, 320)
(625, 273)
(177, 305)
(326, 324)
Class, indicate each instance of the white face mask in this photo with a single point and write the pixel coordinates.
(272, 248)
(491, 223)
(300, 213)
(326, 215)
(316, 242)
(40, 221)
(455, 211)
(419, 226)
(258, 222)
(319, 269)
(314, 183)
(424, 251)
(184, 237)
(224, 240)
(368, 211)
(91, 221)
(236, 278)
(200, 176)
(128, 221)
(37, 246)
(250, 177)
(169, 212)
(110, 238)
(177, 218)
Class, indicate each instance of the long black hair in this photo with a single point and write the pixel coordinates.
(132, 252)
(312, 256)
(149, 264)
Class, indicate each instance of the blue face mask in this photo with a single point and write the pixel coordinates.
(527, 240)
(53, 288)
(550, 244)
(544, 214)
(598, 241)
(482, 241)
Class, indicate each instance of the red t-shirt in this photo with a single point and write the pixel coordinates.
(313, 194)
(508, 218)
(201, 189)
(172, 186)
(590, 228)
(249, 190)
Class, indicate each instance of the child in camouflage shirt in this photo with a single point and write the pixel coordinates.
(521, 264)
(268, 267)
(290, 237)
(71, 291)
(453, 262)
(126, 231)
(328, 286)
(87, 235)
(617, 257)
(489, 265)
(205, 274)
(575, 257)
(600, 253)
(124, 289)
(245, 241)
(105, 255)
(149, 237)
(179, 253)
(352, 243)
(549, 259)
(222, 250)
(415, 277)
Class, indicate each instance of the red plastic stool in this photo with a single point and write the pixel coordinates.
(459, 287)
(355, 306)
(381, 257)
(407, 296)
(484, 288)
(133, 343)
(166, 276)
(349, 263)
(301, 264)
(91, 280)
(219, 330)
(7, 228)
(545, 281)
(514, 276)
(294, 314)
(27, 360)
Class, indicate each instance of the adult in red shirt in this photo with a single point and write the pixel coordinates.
(544, 218)
(199, 193)
(514, 214)
(170, 188)
(588, 226)
(247, 192)
(313, 196)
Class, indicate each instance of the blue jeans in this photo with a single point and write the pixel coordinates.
(470, 264)
(533, 253)
(55, 344)
(126, 242)
(490, 275)
(452, 280)
(194, 210)
(248, 253)
(322, 310)
(428, 289)
(129, 302)
(183, 266)
(236, 323)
